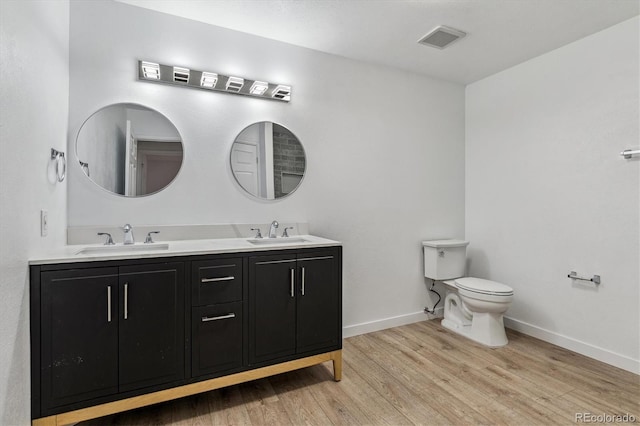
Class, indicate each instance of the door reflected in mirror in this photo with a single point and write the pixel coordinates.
(268, 160)
(129, 149)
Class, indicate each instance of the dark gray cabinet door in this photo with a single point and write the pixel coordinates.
(79, 327)
(151, 325)
(318, 304)
(272, 307)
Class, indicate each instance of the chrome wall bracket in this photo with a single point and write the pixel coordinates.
(628, 153)
(61, 164)
(574, 276)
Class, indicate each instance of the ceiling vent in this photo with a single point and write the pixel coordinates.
(442, 37)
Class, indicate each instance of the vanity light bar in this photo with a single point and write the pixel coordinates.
(185, 77)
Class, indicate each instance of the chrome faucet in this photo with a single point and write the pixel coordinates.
(128, 234)
(272, 230)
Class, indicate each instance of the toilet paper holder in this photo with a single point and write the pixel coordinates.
(574, 276)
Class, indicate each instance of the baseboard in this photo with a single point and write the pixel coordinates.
(382, 324)
(586, 349)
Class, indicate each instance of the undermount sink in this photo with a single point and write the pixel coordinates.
(115, 249)
(279, 240)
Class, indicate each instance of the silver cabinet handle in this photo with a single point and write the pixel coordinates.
(126, 300)
(207, 319)
(108, 303)
(302, 290)
(293, 283)
(212, 280)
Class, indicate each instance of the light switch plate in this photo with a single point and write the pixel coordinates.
(44, 223)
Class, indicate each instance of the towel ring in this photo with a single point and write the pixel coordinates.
(61, 164)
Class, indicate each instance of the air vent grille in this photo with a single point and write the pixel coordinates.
(442, 37)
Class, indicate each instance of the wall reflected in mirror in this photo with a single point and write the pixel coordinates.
(129, 149)
(268, 160)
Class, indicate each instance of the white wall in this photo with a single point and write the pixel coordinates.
(547, 192)
(385, 148)
(34, 77)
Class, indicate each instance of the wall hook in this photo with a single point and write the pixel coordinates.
(61, 163)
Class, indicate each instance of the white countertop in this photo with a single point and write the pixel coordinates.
(69, 253)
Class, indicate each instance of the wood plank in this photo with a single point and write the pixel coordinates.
(297, 400)
(390, 387)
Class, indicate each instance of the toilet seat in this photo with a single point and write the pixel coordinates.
(483, 287)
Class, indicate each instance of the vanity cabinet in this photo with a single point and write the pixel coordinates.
(110, 330)
(112, 335)
(294, 304)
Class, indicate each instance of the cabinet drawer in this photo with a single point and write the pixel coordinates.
(217, 338)
(217, 281)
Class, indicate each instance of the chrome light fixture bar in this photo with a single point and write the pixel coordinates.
(179, 76)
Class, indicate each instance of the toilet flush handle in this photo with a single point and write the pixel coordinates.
(441, 253)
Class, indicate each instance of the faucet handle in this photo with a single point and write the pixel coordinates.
(109, 241)
(285, 234)
(149, 240)
(258, 233)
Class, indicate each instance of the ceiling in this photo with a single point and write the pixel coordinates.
(501, 33)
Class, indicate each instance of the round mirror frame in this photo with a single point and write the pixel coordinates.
(261, 183)
(84, 166)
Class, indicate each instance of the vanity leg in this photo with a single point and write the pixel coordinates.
(337, 365)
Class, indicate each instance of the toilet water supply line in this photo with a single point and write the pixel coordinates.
(433, 311)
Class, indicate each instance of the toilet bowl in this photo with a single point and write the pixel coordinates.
(473, 307)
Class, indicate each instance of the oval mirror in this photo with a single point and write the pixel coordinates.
(129, 149)
(268, 160)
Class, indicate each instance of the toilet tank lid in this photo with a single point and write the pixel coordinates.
(445, 243)
(483, 286)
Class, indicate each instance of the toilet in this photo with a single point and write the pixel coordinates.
(473, 307)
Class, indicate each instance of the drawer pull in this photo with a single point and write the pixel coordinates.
(221, 317)
(213, 280)
(302, 281)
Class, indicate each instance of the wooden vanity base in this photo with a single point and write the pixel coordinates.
(101, 410)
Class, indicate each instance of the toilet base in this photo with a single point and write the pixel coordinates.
(485, 328)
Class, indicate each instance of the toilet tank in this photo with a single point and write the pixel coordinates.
(445, 259)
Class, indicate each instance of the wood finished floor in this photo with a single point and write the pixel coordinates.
(416, 374)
